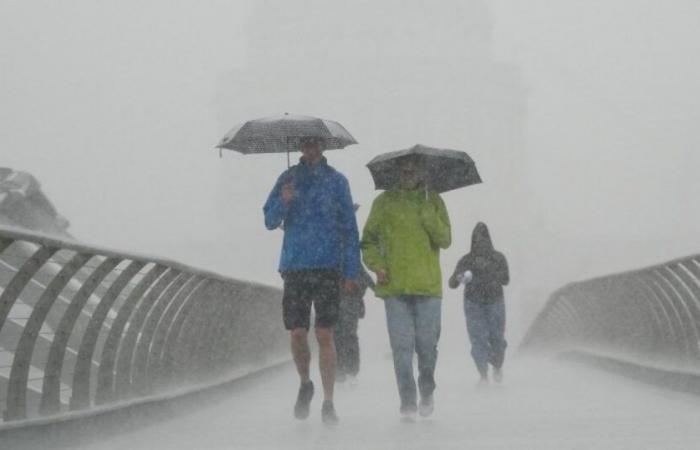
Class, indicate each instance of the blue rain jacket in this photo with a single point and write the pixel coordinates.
(320, 230)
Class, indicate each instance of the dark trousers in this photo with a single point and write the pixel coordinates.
(347, 345)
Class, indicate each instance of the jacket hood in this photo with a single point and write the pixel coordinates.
(481, 240)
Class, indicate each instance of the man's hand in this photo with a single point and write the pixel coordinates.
(382, 277)
(350, 286)
(287, 192)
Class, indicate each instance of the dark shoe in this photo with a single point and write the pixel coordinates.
(301, 407)
(426, 406)
(328, 414)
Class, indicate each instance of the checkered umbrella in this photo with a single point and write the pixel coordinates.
(281, 134)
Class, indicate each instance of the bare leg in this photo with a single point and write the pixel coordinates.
(301, 353)
(326, 360)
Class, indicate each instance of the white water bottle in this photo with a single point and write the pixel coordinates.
(466, 277)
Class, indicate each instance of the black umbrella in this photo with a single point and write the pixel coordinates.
(282, 134)
(443, 170)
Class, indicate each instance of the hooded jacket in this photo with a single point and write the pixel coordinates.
(320, 230)
(403, 235)
(488, 266)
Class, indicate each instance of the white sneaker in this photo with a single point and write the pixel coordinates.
(498, 375)
(408, 414)
(426, 406)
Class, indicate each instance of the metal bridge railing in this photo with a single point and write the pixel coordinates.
(649, 316)
(82, 326)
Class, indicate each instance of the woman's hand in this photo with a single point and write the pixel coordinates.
(382, 277)
(350, 286)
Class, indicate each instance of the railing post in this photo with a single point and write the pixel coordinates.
(17, 387)
(122, 380)
(140, 312)
(143, 346)
(650, 314)
(19, 281)
(154, 365)
(50, 393)
(80, 397)
(105, 375)
(172, 348)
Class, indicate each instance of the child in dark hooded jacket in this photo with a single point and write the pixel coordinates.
(484, 272)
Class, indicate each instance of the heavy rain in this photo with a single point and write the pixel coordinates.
(580, 118)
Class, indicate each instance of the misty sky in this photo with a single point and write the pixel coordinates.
(581, 116)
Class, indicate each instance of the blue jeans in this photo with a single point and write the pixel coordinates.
(413, 323)
(486, 324)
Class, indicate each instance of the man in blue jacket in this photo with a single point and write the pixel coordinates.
(311, 202)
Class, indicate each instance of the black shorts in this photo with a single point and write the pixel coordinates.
(304, 287)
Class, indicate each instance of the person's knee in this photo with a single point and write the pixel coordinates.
(426, 347)
(399, 338)
(497, 340)
(324, 335)
(298, 335)
(479, 338)
(428, 335)
(402, 348)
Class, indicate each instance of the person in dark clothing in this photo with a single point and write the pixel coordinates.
(484, 272)
(347, 345)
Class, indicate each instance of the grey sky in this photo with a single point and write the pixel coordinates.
(582, 118)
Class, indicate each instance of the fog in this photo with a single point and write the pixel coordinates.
(532, 410)
(581, 117)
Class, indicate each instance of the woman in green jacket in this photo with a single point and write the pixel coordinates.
(401, 241)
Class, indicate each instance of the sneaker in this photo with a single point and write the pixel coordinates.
(408, 413)
(301, 407)
(482, 383)
(328, 414)
(498, 374)
(426, 406)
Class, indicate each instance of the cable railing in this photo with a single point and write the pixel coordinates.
(84, 327)
(648, 317)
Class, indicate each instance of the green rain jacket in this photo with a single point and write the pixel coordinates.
(403, 235)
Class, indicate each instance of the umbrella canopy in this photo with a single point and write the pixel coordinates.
(280, 134)
(443, 169)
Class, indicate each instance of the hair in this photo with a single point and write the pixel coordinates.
(311, 140)
(409, 159)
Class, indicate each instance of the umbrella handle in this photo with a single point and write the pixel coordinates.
(287, 139)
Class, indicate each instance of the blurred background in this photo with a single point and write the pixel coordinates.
(581, 117)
